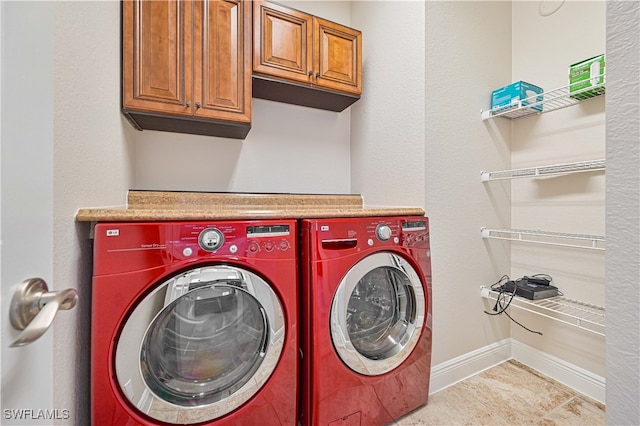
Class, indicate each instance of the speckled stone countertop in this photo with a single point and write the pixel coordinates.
(167, 206)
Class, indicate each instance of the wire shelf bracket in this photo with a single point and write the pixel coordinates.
(593, 242)
(552, 100)
(585, 316)
(542, 171)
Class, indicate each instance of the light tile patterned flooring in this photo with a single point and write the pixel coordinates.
(508, 394)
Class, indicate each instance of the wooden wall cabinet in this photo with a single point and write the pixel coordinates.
(187, 66)
(304, 60)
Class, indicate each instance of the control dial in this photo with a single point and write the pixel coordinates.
(383, 232)
(211, 239)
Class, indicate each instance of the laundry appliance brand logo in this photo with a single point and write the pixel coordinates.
(36, 414)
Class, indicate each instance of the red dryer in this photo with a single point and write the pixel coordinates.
(194, 323)
(366, 319)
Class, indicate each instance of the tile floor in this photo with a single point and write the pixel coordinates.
(508, 394)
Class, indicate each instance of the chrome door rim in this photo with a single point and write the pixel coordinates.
(128, 347)
(339, 333)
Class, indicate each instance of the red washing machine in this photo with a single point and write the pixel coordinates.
(195, 323)
(366, 324)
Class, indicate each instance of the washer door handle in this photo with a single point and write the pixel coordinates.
(33, 308)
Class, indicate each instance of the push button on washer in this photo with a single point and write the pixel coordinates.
(253, 247)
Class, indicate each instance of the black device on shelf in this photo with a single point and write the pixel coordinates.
(531, 288)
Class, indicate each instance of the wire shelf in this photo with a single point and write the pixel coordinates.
(593, 242)
(541, 171)
(551, 101)
(585, 316)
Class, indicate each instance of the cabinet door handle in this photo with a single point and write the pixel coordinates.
(198, 105)
(317, 74)
(310, 73)
(187, 104)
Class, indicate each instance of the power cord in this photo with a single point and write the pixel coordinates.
(502, 303)
(544, 276)
(497, 287)
(547, 278)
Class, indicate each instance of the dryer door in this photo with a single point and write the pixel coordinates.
(377, 314)
(200, 345)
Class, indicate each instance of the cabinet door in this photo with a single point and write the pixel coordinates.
(337, 57)
(282, 42)
(222, 60)
(157, 56)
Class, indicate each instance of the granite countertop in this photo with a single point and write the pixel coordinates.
(168, 206)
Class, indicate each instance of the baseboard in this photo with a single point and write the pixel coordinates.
(457, 369)
(577, 378)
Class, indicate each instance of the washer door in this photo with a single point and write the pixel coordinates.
(200, 345)
(377, 314)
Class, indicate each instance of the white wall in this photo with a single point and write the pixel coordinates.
(623, 213)
(462, 66)
(387, 130)
(543, 48)
(289, 148)
(93, 166)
